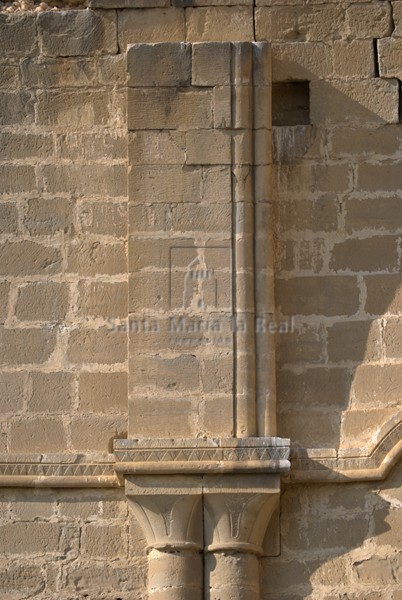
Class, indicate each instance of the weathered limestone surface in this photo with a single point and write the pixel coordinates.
(192, 283)
(63, 229)
(63, 275)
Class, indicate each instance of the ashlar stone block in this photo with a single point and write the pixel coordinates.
(167, 64)
(77, 32)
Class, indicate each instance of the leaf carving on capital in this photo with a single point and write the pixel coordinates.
(238, 520)
(169, 520)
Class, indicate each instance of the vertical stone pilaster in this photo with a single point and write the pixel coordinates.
(201, 297)
(180, 258)
(263, 242)
(200, 258)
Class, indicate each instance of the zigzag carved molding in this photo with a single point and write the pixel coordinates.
(75, 472)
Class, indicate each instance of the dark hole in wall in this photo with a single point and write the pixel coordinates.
(291, 103)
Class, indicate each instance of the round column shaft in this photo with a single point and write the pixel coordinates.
(175, 574)
(232, 576)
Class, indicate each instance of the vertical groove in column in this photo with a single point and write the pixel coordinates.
(263, 243)
(243, 229)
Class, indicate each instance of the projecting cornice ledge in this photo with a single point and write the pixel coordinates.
(249, 455)
(198, 456)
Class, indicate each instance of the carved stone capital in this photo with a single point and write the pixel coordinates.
(169, 510)
(238, 510)
(211, 496)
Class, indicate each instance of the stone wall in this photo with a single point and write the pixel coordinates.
(63, 232)
(337, 198)
(338, 542)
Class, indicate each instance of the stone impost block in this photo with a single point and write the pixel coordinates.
(166, 64)
(198, 456)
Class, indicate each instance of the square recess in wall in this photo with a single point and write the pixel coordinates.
(291, 103)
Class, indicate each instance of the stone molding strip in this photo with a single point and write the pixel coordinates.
(318, 466)
(329, 465)
(232, 455)
(61, 471)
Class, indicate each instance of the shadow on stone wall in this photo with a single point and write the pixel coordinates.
(339, 542)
